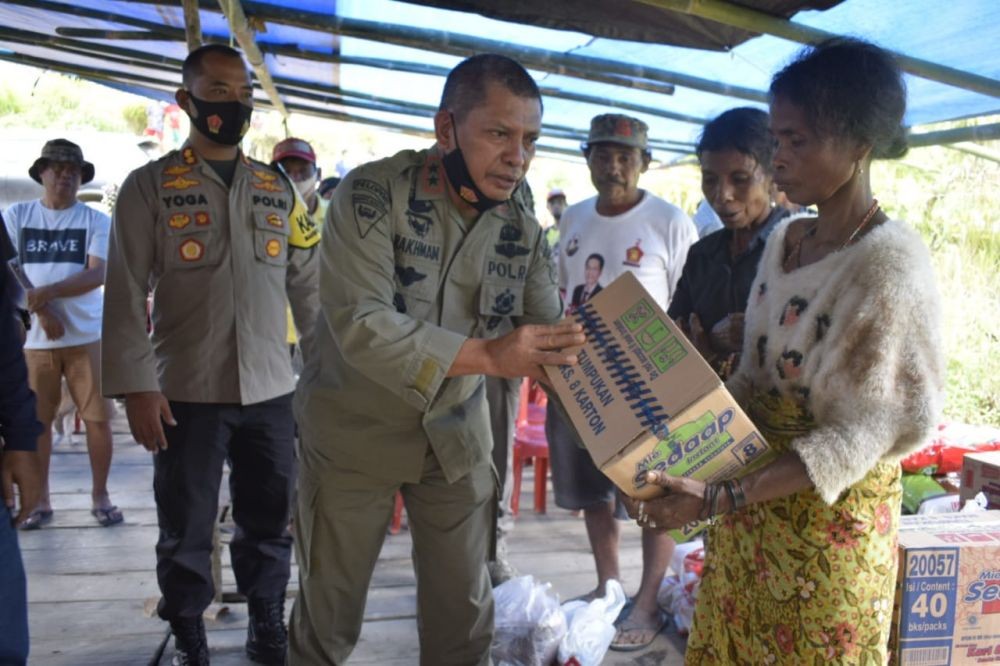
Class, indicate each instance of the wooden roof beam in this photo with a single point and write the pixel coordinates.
(600, 70)
(168, 32)
(287, 87)
(109, 77)
(192, 24)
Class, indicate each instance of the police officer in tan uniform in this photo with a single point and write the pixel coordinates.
(424, 256)
(223, 243)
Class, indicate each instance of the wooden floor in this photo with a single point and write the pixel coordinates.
(90, 588)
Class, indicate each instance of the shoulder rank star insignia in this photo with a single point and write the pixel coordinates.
(273, 247)
(189, 156)
(633, 255)
(268, 186)
(202, 219)
(192, 250)
(179, 220)
(430, 176)
(177, 170)
(275, 220)
(180, 183)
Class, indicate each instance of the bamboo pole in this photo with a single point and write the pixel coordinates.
(192, 24)
(111, 77)
(240, 27)
(586, 67)
(433, 70)
(976, 151)
(990, 132)
(593, 69)
(285, 86)
(733, 15)
(585, 72)
(117, 35)
(396, 65)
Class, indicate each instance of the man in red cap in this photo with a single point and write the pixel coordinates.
(298, 160)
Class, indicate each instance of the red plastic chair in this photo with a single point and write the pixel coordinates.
(530, 443)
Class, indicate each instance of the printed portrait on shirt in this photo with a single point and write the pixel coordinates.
(591, 285)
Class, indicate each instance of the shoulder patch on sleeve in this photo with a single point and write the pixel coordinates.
(371, 202)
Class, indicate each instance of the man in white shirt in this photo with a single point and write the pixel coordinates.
(623, 228)
(62, 246)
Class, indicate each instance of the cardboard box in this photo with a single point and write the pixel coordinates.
(947, 607)
(981, 474)
(643, 398)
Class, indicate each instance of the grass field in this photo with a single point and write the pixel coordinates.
(952, 198)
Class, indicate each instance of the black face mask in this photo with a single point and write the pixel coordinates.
(461, 179)
(222, 122)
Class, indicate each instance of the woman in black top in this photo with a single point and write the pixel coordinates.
(735, 154)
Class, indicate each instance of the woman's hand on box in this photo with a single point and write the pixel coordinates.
(695, 333)
(727, 334)
(682, 504)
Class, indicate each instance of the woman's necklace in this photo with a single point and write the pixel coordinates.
(797, 250)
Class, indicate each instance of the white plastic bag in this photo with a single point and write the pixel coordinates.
(591, 626)
(678, 593)
(528, 623)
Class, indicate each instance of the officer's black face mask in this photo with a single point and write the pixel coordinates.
(461, 179)
(222, 122)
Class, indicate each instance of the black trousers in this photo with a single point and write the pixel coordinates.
(258, 441)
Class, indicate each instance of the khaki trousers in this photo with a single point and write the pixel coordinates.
(340, 523)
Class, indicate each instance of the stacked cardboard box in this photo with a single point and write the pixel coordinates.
(981, 474)
(947, 607)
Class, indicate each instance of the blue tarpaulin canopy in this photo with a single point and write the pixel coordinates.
(381, 62)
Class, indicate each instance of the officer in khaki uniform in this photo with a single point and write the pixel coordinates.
(424, 256)
(223, 242)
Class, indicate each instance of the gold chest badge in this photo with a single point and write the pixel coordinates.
(192, 250)
(179, 220)
(180, 183)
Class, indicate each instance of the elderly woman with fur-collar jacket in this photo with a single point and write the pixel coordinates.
(841, 371)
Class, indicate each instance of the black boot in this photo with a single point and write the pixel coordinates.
(189, 642)
(267, 637)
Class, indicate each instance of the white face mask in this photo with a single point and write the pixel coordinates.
(307, 186)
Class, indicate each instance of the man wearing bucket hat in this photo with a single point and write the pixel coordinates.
(623, 228)
(62, 246)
